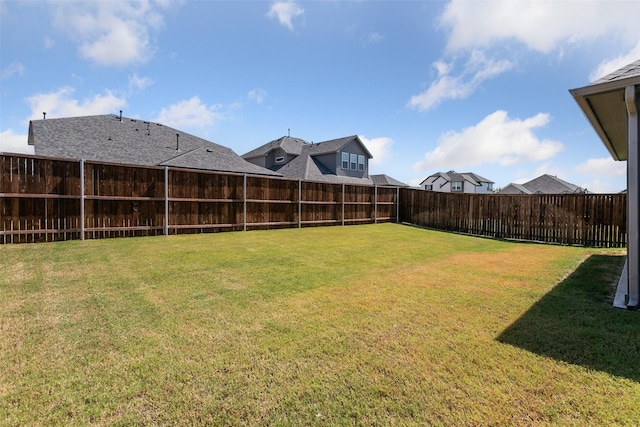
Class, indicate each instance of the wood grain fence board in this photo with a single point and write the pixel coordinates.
(40, 201)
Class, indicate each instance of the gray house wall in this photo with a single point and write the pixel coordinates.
(351, 148)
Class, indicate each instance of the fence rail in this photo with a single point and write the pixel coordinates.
(49, 199)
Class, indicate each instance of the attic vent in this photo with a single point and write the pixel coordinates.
(44, 116)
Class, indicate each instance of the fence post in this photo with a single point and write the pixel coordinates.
(397, 204)
(343, 203)
(244, 202)
(82, 225)
(375, 204)
(166, 200)
(299, 203)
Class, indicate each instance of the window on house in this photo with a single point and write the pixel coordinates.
(280, 159)
(490, 186)
(361, 163)
(456, 186)
(354, 161)
(345, 160)
(428, 187)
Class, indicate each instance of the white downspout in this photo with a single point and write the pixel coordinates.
(633, 211)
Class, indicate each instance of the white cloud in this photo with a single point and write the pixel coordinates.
(380, 149)
(601, 186)
(604, 167)
(110, 33)
(60, 104)
(373, 38)
(477, 69)
(139, 83)
(285, 11)
(546, 168)
(48, 42)
(540, 25)
(257, 95)
(13, 69)
(190, 114)
(496, 139)
(11, 142)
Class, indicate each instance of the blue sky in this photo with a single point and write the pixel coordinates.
(474, 86)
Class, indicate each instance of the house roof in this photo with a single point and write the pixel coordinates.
(110, 138)
(603, 104)
(383, 179)
(453, 176)
(517, 188)
(309, 168)
(334, 145)
(304, 164)
(288, 144)
(546, 184)
(298, 146)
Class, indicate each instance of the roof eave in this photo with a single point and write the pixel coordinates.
(581, 96)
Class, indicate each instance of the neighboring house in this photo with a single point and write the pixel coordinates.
(544, 184)
(344, 160)
(117, 139)
(454, 182)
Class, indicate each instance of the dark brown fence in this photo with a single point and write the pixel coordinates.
(48, 199)
(572, 219)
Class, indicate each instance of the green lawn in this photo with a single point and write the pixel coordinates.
(362, 325)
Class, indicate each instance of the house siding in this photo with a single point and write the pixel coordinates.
(352, 148)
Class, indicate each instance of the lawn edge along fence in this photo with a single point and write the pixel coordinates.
(51, 199)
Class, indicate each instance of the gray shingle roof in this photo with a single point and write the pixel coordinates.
(308, 168)
(290, 145)
(544, 184)
(334, 145)
(514, 188)
(630, 70)
(383, 179)
(549, 184)
(453, 176)
(305, 165)
(132, 141)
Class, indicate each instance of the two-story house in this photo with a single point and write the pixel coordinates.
(454, 182)
(337, 160)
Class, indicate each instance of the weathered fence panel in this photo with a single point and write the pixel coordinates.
(44, 199)
(571, 219)
(48, 199)
(39, 199)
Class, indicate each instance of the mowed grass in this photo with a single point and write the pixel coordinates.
(365, 325)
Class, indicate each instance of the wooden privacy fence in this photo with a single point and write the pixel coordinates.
(48, 199)
(572, 219)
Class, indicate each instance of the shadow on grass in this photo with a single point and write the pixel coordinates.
(576, 323)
